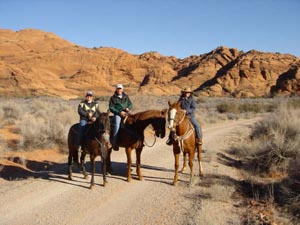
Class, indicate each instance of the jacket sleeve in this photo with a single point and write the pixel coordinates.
(81, 110)
(112, 106)
(97, 112)
(192, 108)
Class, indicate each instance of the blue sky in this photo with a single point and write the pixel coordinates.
(170, 27)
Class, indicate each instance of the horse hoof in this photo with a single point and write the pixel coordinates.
(175, 183)
(70, 178)
(141, 178)
(86, 177)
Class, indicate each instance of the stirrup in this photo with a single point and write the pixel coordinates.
(169, 141)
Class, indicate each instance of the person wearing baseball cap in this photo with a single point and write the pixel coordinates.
(120, 105)
(88, 111)
(188, 105)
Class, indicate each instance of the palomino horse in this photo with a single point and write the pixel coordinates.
(131, 136)
(185, 139)
(96, 142)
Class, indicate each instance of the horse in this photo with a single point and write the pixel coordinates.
(185, 139)
(131, 136)
(96, 142)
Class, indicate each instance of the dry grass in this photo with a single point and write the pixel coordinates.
(271, 156)
(44, 121)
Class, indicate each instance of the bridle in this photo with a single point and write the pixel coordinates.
(189, 131)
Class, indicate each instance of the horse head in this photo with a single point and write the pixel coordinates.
(159, 124)
(175, 114)
(103, 123)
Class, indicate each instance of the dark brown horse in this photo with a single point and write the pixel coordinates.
(131, 136)
(185, 139)
(96, 142)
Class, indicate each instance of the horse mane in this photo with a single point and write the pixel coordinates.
(144, 115)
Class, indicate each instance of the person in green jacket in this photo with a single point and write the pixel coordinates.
(120, 105)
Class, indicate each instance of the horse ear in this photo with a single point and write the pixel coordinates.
(164, 112)
(169, 102)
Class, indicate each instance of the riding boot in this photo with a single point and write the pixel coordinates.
(115, 147)
(199, 141)
(171, 138)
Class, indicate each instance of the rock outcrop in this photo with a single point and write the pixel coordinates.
(33, 63)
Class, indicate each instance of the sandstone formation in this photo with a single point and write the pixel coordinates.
(34, 63)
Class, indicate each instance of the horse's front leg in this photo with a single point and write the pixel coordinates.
(82, 165)
(184, 163)
(176, 152)
(128, 154)
(138, 163)
(92, 157)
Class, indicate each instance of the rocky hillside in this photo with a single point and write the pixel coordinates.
(33, 62)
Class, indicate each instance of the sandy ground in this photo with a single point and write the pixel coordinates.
(48, 197)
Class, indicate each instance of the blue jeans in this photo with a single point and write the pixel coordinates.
(116, 126)
(82, 125)
(197, 127)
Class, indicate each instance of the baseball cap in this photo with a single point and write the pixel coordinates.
(89, 93)
(119, 86)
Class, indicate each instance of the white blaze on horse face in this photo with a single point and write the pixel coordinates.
(172, 118)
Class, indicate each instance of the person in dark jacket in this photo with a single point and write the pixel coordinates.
(188, 105)
(120, 105)
(88, 111)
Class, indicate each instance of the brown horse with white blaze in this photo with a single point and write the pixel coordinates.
(185, 139)
(131, 136)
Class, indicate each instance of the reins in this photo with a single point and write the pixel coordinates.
(150, 146)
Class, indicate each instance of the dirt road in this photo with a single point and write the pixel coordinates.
(53, 199)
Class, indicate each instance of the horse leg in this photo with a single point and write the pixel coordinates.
(70, 166)
(82, 165)
(103, 159)
(176, 155)
(128, 154)
(191, 157)
(138, 163)
(199, 149)
(108, 161)
(184, 163)
(92, 157)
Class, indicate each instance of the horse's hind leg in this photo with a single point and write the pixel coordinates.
(92, 170)
(138, 163)
(82, 165)
(70, 167)
(199, 149)
(191, 157)
(128, 154)
(184, 163)
(176, 155)
(104, 152)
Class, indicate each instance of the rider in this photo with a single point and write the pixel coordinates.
(120, 105)
(188, 105)
(88, 112)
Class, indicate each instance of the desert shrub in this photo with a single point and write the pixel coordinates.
(250, 107)
(227, 107)
(11, 111)
(272, 155)
(274, 141)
